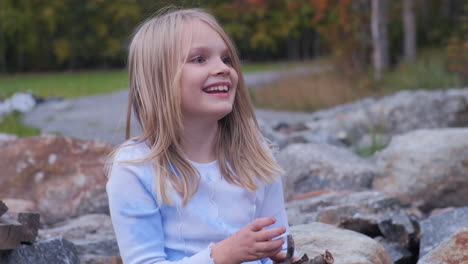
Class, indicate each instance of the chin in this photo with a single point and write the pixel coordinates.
(221, 112)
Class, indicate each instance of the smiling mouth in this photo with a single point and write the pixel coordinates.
(217, 89)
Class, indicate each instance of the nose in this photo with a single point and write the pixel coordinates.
(221, 68)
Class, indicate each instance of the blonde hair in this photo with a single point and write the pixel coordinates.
(155, 61)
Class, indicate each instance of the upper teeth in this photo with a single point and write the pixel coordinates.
(217, 88)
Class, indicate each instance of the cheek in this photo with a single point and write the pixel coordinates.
(234, 77)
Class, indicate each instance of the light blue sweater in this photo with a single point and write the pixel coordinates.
(151, 233)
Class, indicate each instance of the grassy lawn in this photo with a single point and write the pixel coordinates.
(65, 85)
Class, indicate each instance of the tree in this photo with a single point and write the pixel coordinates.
(409, 29)
(379, 37)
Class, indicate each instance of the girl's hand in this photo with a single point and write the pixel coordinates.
(281, 256)
(252, 242)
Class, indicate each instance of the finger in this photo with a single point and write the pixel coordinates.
(268, 234)
(279, 257)
(269, 246)
(260, 223)
(271, 254)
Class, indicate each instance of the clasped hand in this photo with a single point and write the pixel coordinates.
(252, 242)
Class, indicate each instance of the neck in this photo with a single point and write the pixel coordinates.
(198, 141)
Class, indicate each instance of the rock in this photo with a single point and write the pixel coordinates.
(312, 167)
(398, 253)
(319, 137)
(63, 176)
(17, 228)
(269, 133)
(452, 250)
(22, 102)
(436, 229)
(55, 250)
(3, 208)
(346, 246)
(357, 211)
(6, 137)
(394, 114)
(93, 236)
(426, 168)
(398, 227)
(20, 205)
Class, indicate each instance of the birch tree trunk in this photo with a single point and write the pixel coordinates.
(379, 37)
(409, 28)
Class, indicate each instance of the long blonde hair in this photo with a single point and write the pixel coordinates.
(155, 61)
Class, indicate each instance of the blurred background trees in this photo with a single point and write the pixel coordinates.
(61, 35)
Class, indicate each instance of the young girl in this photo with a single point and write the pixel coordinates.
(198, 185)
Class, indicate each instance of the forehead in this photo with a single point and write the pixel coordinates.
(200, 34)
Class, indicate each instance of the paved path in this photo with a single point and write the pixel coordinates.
(102, 117)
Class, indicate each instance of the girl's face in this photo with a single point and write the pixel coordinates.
(208, 80)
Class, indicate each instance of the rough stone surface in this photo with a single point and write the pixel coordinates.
(6, 137)
(280, 140)
(357, 211)
(453, 250)
(398, 253)
(395, 114)
(20, 205)
(22, 102)
(312, 167)
(319, 137)
(398, 228)
(64, 177)
(346, 246)
(436, 229)
(92, 235)
(426, 168)
(55, 250)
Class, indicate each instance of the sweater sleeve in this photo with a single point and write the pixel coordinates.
(273, 205)
(137, 219)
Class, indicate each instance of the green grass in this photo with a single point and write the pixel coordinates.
(67, 85)
(11, 124)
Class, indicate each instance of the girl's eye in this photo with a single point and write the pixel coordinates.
(198, 59)
(227, 61)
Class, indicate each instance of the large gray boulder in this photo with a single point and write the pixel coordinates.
(339, 208)
(368, 212)
(394, 114)
(346, 246)
(311, 167)
(426, 168)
